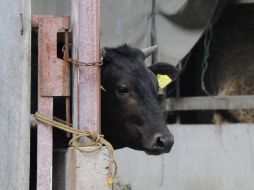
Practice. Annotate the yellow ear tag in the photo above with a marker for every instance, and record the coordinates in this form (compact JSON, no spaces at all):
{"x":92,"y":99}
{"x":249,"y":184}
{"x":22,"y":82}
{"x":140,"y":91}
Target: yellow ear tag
{"x":163,"y":80}
{"x":103,"y":88}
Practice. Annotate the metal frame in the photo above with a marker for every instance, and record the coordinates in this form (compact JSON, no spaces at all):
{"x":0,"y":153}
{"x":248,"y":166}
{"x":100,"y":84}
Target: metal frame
{"x":86,"y":171}
{"x":53,"y":80}
{"x":242,"y":1}
{"x":210,"y":103}
{"x":86,"y":48}
{"x":15,"y":81}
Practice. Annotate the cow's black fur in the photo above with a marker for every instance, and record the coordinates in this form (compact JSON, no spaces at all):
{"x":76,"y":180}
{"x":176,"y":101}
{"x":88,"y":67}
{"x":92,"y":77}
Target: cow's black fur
{"x":134,"y":122}
{"x":132,"y":118}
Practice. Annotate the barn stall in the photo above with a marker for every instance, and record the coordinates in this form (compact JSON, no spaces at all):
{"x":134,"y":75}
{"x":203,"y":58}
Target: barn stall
{"x":204,"y":155}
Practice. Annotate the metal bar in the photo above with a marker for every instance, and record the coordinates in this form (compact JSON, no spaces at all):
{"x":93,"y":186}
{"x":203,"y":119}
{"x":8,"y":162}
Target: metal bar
{"x":178,"y":93}
{"x":86,"y":48}
{"x":86,"y":171}
{"x":44,"y":146}
{"x":15,"y":80}
{"x":53,"y":80}
{"x":241,"y":1}
{"x":45,"y":107}
{"x":210,"y":103}
{"x":68,"y":110}
{"x":67,"y":99}
{"x":154,"y":40}
{"x":54,"y":72}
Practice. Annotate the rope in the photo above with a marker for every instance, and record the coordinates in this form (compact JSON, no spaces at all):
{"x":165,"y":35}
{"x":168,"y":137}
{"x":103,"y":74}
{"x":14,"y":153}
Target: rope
{"x":97,"y":141}
{"x":207,"y":43}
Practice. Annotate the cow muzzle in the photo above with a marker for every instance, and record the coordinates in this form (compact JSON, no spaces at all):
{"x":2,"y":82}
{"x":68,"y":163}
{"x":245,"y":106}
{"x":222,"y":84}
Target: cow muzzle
{"x":160,"y":143}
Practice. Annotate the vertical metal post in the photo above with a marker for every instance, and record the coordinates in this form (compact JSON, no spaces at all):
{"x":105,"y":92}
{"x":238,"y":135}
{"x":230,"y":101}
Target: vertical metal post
{"x":153,"y":32}
{"x":67,"y":99}
{"x":86,"y":171}
{"x":86,"y":48}
{"x":15,"y":37}
{"x":53,"y":80}
{"x":178,"y":93}
{"x":44,"y":146}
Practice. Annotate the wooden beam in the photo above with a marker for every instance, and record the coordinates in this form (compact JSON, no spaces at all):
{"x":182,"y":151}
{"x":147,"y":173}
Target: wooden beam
{"x":210,"y":103}
{"x":15,"y":75}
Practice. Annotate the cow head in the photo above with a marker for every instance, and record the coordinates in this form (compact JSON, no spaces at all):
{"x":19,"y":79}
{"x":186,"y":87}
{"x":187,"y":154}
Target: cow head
{"x":130,"y":113}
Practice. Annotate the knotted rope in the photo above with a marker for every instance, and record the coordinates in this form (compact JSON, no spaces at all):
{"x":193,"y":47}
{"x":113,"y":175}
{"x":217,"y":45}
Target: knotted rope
{"x":97,"y":141}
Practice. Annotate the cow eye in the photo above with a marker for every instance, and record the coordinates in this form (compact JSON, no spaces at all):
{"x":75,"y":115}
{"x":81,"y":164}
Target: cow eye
{"x":122,"y":90}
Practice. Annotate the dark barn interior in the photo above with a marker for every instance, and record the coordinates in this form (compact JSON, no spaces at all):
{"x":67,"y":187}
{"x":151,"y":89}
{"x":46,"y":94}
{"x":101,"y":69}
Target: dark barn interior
{"x":230,"y":57}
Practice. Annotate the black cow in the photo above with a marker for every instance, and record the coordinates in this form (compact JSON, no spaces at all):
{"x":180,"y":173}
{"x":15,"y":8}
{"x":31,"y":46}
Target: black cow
{"x":130,"y":113}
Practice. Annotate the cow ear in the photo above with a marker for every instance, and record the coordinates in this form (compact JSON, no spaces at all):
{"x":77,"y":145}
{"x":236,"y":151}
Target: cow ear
{"x":165,"y":73}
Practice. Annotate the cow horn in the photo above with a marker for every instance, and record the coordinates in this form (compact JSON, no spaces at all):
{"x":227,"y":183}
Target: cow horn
{"x":103,"y":52}
{"x":149,"y":51}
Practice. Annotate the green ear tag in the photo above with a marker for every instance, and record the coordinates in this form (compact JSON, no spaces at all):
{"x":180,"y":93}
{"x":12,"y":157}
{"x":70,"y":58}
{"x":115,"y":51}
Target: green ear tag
{"x":163,"y":80}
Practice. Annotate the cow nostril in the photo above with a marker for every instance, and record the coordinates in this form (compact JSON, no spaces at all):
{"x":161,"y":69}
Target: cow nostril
{"x":160,"y":142}
{"x":163,"y":142}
